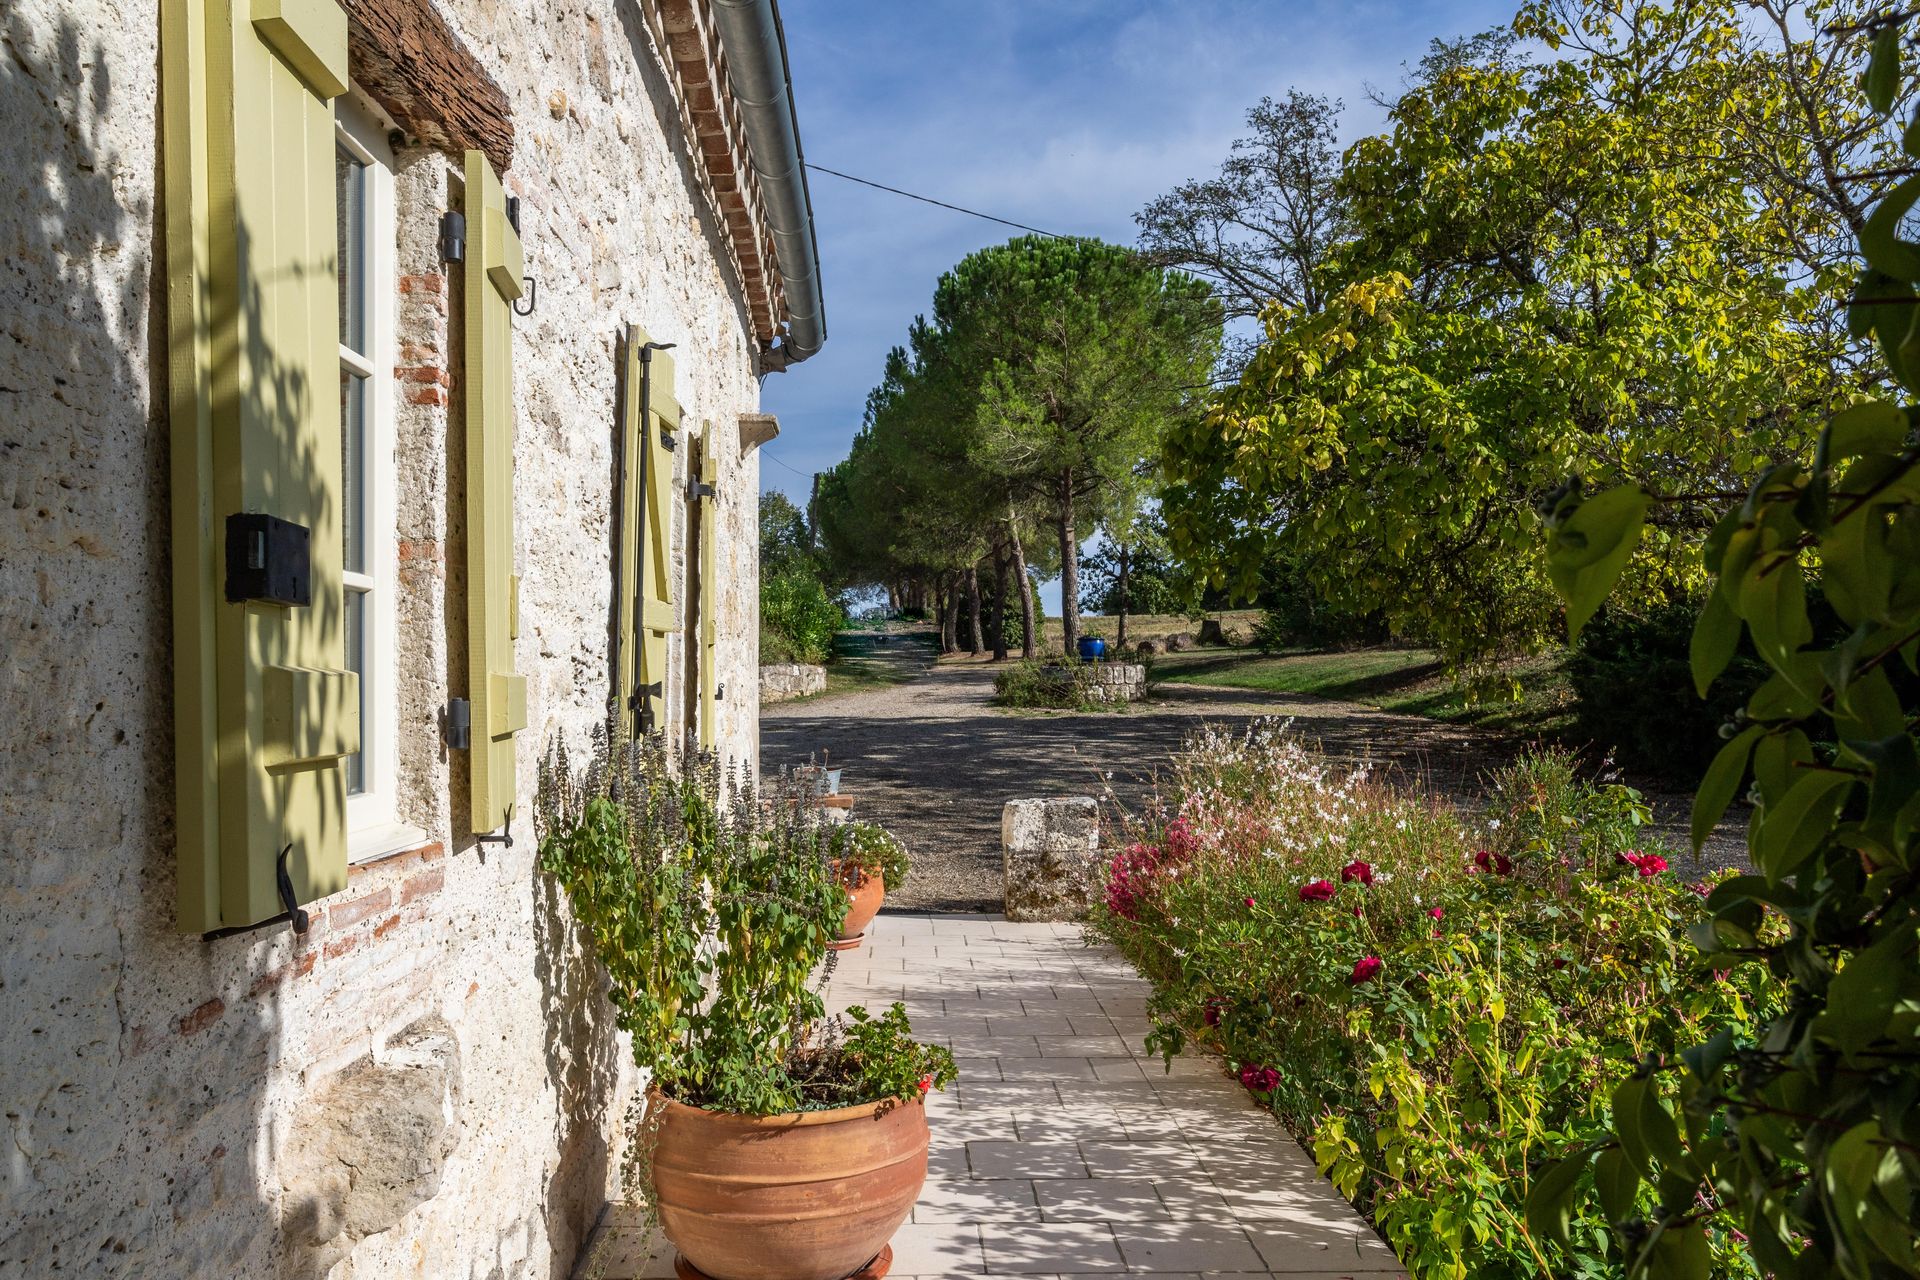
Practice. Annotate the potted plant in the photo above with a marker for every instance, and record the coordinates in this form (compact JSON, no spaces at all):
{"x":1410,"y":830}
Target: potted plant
{"x":774,"y":1143}
{"x":870,"y":863}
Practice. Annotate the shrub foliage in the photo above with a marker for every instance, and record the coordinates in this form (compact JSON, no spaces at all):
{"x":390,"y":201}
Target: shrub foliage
{"x":1806,"y":1135}
{"x":1436,"y":1005}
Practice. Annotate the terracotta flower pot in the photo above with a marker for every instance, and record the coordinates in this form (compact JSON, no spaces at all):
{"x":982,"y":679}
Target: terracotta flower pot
{"x":866,"y":897}
{"x":812,"y":1196}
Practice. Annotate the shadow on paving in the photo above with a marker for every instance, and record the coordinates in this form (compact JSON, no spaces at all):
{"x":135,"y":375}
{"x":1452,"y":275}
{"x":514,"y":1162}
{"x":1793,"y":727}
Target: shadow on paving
{"x":934,"y":761}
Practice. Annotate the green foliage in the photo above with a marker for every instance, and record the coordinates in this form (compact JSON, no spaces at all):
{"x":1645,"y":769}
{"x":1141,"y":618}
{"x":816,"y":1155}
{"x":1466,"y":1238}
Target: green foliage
{"x":1633,"y":687}
{"x":1804,"y":1135}
{"x":786,"y":538}
{"x":1434,"y":1005}
{"x":798,"y":617}
{"x":1065,"y":686}
{"x":887,"y":1061}
{"x":712,"y":915}
{"x":1047,"y":371}
{"x":869,"y":849}
{"x":1622,"y":261}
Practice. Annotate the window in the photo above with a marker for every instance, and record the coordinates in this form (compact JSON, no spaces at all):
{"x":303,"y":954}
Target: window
{"x":363,"y":170}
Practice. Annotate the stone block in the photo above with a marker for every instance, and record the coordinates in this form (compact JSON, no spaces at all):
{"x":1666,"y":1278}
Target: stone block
{"x":1050,"y":851}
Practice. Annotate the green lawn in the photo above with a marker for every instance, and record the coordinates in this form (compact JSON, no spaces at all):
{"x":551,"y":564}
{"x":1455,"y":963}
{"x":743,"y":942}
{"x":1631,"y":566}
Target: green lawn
{"x":1406,"y":680}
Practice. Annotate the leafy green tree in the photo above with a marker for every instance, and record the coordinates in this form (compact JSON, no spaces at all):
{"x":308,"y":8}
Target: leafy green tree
{"x":1801,"y":1134}
{"x":1077,"y":357}
{"x":786,"y":539}
{"x":1617,"y":261}
{"x":1134,"y":572}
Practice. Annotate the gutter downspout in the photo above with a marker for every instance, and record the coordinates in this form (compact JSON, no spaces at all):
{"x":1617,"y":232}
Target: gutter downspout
{"x":756,"y":49}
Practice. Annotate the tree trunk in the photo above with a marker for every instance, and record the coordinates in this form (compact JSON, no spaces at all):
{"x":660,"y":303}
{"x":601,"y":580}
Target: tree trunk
{"x":1000,"y":607}
{"x":1024,"y":587}
{"x":950,"y":614}
{"x":974,"y":644}
{"x":1120,"y":638}
{"x":1069,"y":569}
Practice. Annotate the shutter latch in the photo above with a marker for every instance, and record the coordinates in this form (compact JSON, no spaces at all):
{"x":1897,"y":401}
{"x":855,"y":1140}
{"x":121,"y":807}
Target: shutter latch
{"x":295,"y":912}
{"x":697,"y":491}
{"x":506,"y":833}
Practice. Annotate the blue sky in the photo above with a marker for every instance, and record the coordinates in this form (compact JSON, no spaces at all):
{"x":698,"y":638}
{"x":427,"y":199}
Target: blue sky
{"x":1068,"y":115}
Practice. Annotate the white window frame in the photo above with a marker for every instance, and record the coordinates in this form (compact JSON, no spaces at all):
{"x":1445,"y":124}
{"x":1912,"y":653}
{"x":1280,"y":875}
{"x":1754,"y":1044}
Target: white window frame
{"x":373,"y":825}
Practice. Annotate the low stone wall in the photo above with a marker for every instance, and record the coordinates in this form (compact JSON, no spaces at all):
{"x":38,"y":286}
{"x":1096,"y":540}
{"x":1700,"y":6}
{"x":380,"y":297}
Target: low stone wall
{"x":784,"y":680}
{"x":1120,"y":681}
{"x":1050,"y":854}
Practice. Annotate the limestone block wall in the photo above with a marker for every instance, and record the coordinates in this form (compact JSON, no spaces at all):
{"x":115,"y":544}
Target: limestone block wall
{"x":428,"y":1082}
{"x":780,"y":681}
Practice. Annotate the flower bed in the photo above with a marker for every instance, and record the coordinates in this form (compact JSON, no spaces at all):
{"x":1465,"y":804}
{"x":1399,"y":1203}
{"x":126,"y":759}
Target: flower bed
{"x":1436,"y":1003}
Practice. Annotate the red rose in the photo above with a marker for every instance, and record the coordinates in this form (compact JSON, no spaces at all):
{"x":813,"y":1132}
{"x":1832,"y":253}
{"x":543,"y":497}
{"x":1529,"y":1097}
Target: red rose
{"x":1366,"y":969}
{"x":1359,"y":912}
{"x":1438,"y":913}
{"x":926,"y":1083}
{"x":1259,"y":1079}
{"x":1357,"y":870}
{"x":1249,"y":901}
{"x":1317,"y":891}
{"x":1559,"y":962}
{"x":1651,"y":864}
{"x":1502,"y":865}
{"x":1212,"y":1013}
{"x":1483,"y":859}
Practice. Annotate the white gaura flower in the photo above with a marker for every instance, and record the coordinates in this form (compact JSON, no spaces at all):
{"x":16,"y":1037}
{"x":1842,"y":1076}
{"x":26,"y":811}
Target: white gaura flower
{"x":1493,"y":824}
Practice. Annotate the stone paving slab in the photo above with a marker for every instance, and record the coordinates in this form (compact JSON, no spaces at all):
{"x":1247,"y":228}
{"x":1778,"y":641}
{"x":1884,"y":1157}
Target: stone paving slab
{"x":1065,"y":1150}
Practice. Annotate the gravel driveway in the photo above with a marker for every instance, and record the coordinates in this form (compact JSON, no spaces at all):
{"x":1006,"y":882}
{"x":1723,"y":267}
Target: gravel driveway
{"x":933,"y":760}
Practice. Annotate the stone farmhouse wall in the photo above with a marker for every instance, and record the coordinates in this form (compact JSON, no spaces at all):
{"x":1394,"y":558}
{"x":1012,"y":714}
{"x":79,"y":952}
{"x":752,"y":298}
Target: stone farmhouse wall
{"x":427,"y":1083}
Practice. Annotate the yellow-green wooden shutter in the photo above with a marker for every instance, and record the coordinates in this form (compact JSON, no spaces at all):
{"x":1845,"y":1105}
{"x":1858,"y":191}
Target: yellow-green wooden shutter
{"x":631,"y":501}
{"x":709,"y":492}
{"x":497,"y":691}
{"x":264,"y":710}
{"x":646,"y":600}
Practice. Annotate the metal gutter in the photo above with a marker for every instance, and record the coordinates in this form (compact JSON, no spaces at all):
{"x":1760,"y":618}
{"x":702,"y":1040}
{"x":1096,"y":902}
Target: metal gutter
{"x":762,"y":85}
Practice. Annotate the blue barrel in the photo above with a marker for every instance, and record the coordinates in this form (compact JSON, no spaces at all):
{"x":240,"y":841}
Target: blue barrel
{"x":1092,"y":648}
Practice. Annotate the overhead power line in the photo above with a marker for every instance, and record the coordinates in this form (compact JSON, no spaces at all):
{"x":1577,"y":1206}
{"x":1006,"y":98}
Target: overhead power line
{"x":776,"y":462}
{"x":972,"y":213}
{"x":975,"y":213}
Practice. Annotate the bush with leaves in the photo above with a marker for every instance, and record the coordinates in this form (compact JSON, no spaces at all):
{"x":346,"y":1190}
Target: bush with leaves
{"x":1804,"y":1133}
{"x":1633,"y":690}
{"x":863,"y":849}
{"x":712,"y":913}
{"x":798,"y":617}
{"x":1432,"y":1003}
{"x":1062,"y":686}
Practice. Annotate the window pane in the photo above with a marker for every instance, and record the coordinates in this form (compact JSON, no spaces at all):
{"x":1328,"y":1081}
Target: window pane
{"x":350,"y":207}
{"x":356,"y":625}
{"x":353,"y":470}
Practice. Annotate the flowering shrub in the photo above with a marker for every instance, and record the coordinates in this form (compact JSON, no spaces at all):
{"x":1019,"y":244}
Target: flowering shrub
{"x":1435,"y":1003}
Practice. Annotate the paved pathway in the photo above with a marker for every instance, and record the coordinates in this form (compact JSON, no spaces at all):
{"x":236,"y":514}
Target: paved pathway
{"x":1063,"y":1150}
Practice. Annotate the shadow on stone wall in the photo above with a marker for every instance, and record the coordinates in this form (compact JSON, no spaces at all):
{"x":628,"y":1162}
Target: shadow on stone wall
{"x":136,"y":1064}
{"x":583,"y":1057}
{"x":133,"y":1062}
